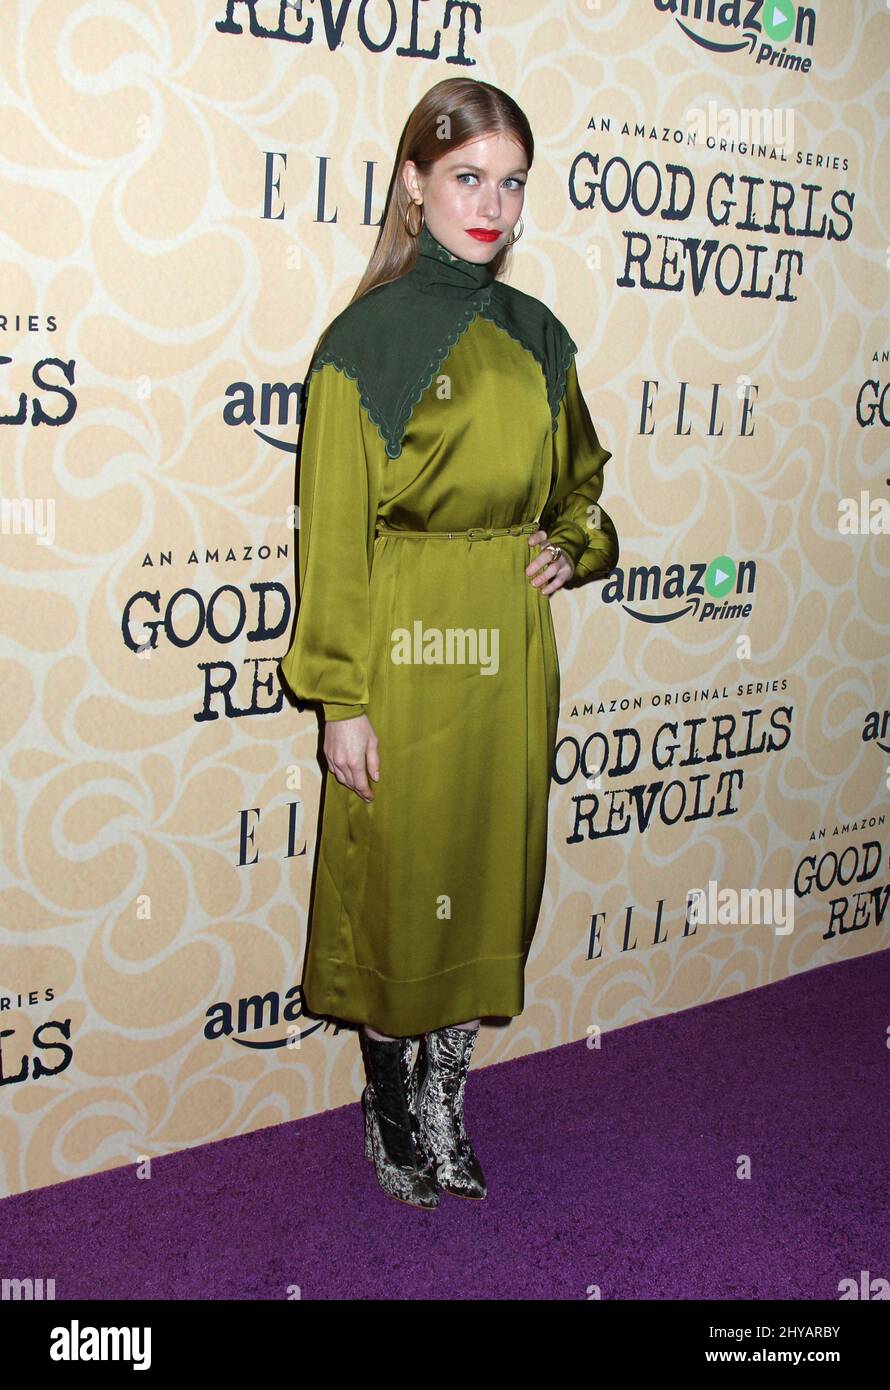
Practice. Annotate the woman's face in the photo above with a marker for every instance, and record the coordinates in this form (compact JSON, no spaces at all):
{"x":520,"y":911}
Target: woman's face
{"x":478,"y":187}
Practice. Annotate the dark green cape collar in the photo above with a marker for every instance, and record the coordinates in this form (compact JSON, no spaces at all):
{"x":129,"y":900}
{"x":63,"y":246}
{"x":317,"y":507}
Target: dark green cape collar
{"x":393,"y":340}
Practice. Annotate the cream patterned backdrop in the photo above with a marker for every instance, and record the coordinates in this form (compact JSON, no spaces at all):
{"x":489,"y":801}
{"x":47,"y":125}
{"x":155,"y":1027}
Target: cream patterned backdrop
{"x":190,"y":190}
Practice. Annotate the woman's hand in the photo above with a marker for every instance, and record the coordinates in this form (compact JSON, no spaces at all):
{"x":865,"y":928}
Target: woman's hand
{"x":350,"y":746}
{"x":553,"y":573}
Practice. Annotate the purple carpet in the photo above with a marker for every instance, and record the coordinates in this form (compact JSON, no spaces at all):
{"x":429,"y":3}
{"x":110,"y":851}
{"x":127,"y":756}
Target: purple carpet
{"x":615,"y":1169}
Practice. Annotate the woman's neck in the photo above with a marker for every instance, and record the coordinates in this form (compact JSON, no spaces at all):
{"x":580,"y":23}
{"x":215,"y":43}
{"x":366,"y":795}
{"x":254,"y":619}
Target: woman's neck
{"x":439,"y":271}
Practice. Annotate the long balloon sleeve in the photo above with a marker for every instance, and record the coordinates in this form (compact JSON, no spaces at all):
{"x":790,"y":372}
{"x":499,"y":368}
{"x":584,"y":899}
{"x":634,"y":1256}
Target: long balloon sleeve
{"x":339,"y":490}
{"x":573,"y":517}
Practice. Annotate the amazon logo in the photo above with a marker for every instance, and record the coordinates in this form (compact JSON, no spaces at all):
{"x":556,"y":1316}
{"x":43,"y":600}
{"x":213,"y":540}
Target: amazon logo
{"x":714,"y":592}
{"x":876,"y":729}
{"x":758,"y":27}
{"x":264,"y":1022}
{"x":273,"y":410}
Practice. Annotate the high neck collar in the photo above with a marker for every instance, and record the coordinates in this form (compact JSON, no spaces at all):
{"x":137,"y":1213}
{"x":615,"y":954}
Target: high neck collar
{"x":438,"y":271}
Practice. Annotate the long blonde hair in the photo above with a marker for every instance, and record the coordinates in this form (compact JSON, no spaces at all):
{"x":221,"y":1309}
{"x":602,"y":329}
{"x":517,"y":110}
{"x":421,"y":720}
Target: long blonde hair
{"x":453,"y":112}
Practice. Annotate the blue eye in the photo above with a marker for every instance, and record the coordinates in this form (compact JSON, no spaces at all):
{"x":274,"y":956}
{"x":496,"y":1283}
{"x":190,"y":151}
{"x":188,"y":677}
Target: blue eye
{"x":520,"y":183}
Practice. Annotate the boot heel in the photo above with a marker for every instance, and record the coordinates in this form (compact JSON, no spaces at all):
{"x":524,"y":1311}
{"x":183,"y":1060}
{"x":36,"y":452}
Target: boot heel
{"x":369,"y":1147}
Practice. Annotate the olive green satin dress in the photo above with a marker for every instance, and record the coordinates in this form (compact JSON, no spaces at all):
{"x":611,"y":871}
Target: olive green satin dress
{"x":426,"y":900}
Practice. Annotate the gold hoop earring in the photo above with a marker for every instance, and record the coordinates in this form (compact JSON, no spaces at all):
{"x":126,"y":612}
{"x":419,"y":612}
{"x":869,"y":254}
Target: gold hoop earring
{"x":516,"y":238}
{"x":414,"y":204}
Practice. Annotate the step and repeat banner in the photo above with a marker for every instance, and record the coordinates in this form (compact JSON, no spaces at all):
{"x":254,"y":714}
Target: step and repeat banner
{"x":190,"y":191}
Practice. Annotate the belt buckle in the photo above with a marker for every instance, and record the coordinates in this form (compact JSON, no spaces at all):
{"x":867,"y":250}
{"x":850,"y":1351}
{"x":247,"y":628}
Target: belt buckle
{"x":478,"y":533}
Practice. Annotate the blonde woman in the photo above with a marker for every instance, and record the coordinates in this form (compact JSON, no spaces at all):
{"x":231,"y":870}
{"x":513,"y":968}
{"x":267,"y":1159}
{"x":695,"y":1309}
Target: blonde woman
{"x":449,"y":487}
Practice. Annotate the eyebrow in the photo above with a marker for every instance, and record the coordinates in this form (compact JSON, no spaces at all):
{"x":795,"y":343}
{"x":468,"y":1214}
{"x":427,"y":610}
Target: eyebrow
{"x":520,"y":168}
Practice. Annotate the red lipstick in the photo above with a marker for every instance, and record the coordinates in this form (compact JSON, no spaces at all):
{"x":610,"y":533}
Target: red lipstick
{"x":483,"y":233}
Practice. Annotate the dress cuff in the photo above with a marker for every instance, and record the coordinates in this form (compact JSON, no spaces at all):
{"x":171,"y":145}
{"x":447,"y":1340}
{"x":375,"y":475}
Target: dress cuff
{"x":570,"y":538}
{"x":334,"y":712}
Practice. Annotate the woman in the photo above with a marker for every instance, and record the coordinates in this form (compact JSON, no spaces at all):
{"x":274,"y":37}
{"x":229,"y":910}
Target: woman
{"x":450,"y":482}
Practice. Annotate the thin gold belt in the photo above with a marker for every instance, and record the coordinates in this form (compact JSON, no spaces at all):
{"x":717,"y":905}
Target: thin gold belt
{"x":475,"y":533}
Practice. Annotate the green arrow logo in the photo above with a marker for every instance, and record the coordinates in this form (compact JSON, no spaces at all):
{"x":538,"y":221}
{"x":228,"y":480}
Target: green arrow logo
{"x":778,"y":20}
{"x":720,"y":576}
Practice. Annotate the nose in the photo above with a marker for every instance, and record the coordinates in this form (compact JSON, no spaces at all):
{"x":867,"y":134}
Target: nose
{"x":490,"y":203}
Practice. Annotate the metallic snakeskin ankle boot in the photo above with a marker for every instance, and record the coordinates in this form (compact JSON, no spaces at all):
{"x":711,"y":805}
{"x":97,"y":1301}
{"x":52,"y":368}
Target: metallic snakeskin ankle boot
{"x":391,"y":1129}
{"x":437,"y":1096}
